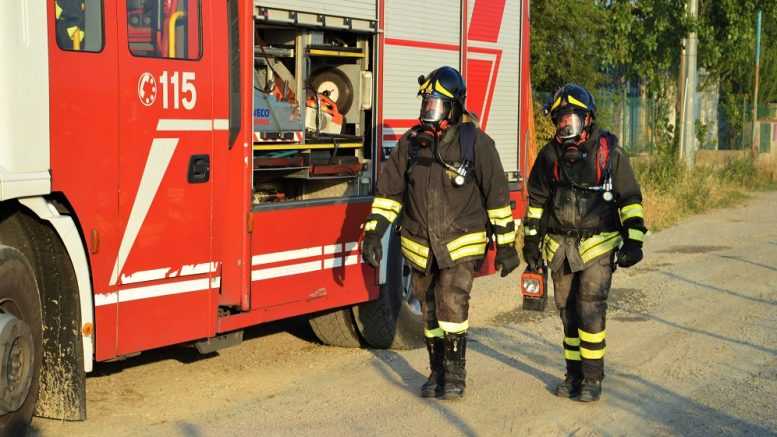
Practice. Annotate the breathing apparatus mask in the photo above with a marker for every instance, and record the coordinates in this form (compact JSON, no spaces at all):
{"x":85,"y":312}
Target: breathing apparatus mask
{"x":571,"y":132}
{"x":436,"y":112}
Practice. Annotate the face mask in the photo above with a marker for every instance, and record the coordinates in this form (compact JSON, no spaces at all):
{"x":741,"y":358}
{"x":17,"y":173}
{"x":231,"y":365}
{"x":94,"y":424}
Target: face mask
{"x":434,"y":109}
{"x":569,"y":127}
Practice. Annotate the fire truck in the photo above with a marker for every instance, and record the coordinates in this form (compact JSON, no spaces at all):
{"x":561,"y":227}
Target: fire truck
{"x":174,"y":171}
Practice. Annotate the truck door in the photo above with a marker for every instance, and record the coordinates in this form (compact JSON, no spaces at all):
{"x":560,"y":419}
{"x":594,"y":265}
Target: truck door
{"x":165,"y":267}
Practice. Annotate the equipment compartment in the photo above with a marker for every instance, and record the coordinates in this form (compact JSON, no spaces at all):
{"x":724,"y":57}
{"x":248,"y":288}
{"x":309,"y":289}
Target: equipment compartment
{"x":312,"y":115}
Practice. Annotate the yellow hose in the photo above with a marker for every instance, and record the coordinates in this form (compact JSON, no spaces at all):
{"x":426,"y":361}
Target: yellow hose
{"x":171,"y":33}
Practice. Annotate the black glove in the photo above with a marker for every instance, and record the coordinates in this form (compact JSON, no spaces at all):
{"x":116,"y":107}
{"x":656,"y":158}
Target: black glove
{"x":531,"y":253}
{"x":372,"y":251}
{"x":506,"y":259}
{"x":629,"y":254}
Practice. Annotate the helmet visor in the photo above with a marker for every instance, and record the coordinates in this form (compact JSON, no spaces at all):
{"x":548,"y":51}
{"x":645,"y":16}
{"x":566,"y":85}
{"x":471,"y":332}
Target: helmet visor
{"x":434,"y":108}
{"x":569,"y":125}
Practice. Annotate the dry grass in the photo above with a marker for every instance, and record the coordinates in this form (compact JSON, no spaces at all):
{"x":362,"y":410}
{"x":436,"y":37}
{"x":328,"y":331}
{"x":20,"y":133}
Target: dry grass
{"x":672,"y":192}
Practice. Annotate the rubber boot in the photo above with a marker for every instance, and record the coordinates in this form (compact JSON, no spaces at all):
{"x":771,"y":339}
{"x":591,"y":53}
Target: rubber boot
{"x":433,"y":387}
{"x":590,"y":390}
{"x":570,"y":388}
{"x":454,"y":364}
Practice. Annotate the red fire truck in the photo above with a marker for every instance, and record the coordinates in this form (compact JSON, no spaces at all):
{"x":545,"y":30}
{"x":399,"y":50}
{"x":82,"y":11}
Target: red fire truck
{"x":174,"y":171}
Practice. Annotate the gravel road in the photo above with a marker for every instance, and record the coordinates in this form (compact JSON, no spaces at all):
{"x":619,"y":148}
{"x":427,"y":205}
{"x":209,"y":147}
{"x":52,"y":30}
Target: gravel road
{"x":692,"y":350}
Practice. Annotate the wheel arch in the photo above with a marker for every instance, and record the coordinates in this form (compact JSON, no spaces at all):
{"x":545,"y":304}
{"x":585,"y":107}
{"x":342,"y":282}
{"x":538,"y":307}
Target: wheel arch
{"x":68,"y":231}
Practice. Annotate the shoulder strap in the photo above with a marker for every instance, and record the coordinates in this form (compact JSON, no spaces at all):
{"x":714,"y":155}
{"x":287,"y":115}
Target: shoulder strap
{"x":603,"y":164}
{"x":467,"y":133}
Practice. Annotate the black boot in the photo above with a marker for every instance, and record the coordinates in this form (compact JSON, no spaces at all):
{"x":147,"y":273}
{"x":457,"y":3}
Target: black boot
{"x":453,"y":362}
{"x":590,"y":390}
{"x":570,"y":388}
{"x":433,"y":386}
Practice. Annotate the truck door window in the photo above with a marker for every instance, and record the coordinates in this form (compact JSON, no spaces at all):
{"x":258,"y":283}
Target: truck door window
{"x":79,"y":25}
{"x":165,"y":28}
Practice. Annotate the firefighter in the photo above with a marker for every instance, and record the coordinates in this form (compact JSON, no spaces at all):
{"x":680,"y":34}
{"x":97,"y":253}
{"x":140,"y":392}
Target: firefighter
{"x":447,"y":181}
{"x":585,"y":217}
{"x":70,"y":23}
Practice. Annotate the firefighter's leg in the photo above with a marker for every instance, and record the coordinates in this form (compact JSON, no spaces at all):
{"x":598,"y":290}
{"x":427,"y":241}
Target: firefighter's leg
{"x":452,"y":299}
{"x":423,"y":289}
{"x":595,"y":284}
{"x":565,"y":286}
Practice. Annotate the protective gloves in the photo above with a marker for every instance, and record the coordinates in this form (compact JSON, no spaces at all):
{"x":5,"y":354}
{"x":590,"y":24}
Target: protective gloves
{"x":372,"y":251}
{"x":531,"y":253}
{"x":630,"y":253}
{"x":506,"y":259}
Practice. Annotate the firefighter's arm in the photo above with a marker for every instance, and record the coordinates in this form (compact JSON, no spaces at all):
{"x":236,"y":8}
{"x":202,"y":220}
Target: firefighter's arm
{"x":629,"y":198}
{"x":539,"y":193}
{"x":390,"y":191}
{"x":632,"y":217}
{"x":538,"y":188}
{"x":493,"y":184}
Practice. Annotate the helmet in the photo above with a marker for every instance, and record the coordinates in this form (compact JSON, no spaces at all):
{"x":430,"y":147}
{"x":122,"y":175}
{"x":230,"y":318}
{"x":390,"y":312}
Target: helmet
{"x":443,"y":93}
{"x":568,"y":98}
{"x":568,"y":109}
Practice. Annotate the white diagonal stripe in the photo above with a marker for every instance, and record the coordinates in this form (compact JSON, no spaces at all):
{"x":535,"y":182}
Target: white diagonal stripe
{"x":159,"y":157}
{"x":145,"y":275}
{"x":220,"y":124}
{"x":333,"y":248}
{"x":331,"y":263}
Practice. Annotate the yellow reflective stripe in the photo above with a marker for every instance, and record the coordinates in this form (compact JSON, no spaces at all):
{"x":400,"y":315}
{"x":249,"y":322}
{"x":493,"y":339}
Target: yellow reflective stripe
{"x":550,"y":247}
{"x":572,"y":355}
{"x":418,"y":260}
{"x":572,"y":341}
{"x":466,"y":251}
{"x":504,"y":222}
{"x":591,"y":354}
{"x":530,"y":231}
{"x":535,"y":213}
{"x":432,"y":333}
{"x":473,"y":238}
{"x":636,"y":234}
{"x":598,"y":245}
{"x":414,"y":247}
{"x":453,"y":327}
{"x":440,"y":89}
{"x":576,"y":102}
{"x":503,"y":212}
{"x":505,"y":238}
{"x":424,"y":86}
{"x":631,"y":211}
{"x":556,"y":103}
{"x":387,"y":204}
{"x":590,"y":337}
{"x":390,"y":215}
{"x":370,"y":225}
{"x":58,"y":9}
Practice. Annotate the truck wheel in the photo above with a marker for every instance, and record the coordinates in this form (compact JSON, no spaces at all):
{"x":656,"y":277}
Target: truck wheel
{"x":336,"y":328}
{"x":20,"y":342}
{"x":394,"y":320}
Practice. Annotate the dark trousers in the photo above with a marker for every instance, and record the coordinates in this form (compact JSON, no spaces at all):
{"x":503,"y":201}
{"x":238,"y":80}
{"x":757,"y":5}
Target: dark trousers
{"x":581,"y":298}
{"x":444,"y":296}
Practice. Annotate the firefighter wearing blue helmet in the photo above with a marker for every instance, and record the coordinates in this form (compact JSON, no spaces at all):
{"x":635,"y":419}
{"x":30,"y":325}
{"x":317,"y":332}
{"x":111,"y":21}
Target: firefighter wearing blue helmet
{"x":446,"y":180}
{"x":584,"y":218}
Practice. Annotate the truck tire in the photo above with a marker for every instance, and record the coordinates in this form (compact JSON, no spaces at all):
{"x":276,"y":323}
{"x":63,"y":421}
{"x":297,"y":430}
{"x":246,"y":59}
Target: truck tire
{"x":61,"y":373}
{"x":20,"y":342}
{"x":336,"y":328}
{"x":394,"y":320}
